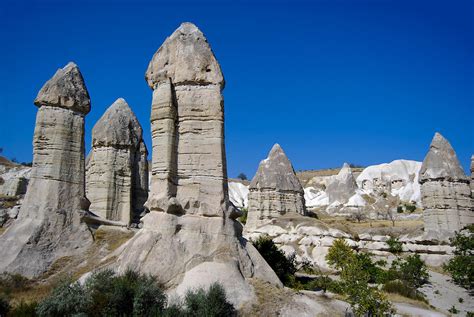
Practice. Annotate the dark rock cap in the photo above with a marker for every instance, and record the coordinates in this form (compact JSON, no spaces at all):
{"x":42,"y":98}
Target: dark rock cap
{"x":66,"y":89}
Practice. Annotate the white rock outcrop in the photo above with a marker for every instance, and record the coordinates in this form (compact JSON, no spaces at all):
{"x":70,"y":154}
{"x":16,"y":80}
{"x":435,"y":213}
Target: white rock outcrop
{"x":445,"y":191}
{"x":238,"y":194}
{"x":274,"y":191}
{"x":342,"y":186}
{"x":49,"y":224}
{"x":190,"y":238}
{"x":117,"y":169}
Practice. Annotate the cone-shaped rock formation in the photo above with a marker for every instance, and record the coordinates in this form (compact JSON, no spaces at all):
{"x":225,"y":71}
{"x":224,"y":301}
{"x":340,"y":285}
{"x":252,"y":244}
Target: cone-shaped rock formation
{"x":49,"y":224}
{"x":274,"y":191}
{"x":189,"y":238}
{"x":445,"y":191}
{"x":342,"y":186}
{"x":117,"y":169}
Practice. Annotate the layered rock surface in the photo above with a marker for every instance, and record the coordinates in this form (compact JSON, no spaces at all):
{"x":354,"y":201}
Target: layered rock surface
{"x":190,"y":238}
{"x":49,"y":224}
{"x":274,"y":191}
{"x":117,"y":169}
{"x":445,"y":191}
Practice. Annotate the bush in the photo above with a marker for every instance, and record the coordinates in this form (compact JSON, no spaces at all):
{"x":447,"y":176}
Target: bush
{"x":211,"y":303}
{"x":399,"y":209}
{"x":4,"y":305}
{"x":10,"y":283}
{"x":24,"y":309}
{"x":402,"y":288}
{"x":283,"y":266}
{"x":394,"y":245}
{"x":461,"y":266}
{"x":243,"y":218}
{"x":129,"y":294}
{"x":453,"y":310}
{"x":410,"y":208}
{"x":414,"y":271}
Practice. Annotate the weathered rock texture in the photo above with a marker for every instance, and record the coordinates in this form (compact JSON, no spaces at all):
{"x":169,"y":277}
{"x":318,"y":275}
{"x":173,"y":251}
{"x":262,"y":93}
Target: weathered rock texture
{"x":342,"y":186}
{"x":445,"y":191}
{"x":49,"y":224}
{"x":189,"y":238}
{"x":472,"y":176}
{"x":117,"y":169}
{"x":274,"y":191}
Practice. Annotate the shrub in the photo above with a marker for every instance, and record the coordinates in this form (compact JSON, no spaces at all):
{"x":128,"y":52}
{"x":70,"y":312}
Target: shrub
{"x":4,"y":305}
{"x":414,"y":271}
{"x":10,"y":282}
{"x":410,"y":208}
{"x":243,"y":218}
{"x":402,"y":288}
{"x":373,"y":269}
{"x":66,"y":299}
{"x":24,"y":309}
{"x":453,"y":310}
{"x":211,"y":303}
{"x":461,"y":266}
{"x":283,"y":266}
{"x":399,"y":209}
{"x":394,"y":245}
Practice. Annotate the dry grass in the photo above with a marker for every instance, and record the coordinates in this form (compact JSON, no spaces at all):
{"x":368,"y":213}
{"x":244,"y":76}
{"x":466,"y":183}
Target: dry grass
{"x":396,"y":298}
{"x":112,"y":238}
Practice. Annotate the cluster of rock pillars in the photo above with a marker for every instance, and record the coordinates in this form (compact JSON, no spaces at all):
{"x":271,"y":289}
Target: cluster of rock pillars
{"x":188,"y":230}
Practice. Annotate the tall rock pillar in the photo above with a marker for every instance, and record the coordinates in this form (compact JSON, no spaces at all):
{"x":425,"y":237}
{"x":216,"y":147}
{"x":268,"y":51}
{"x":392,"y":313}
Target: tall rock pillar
{"x":190,"y":238}
{"x":445,"y":191}
{"x":49,"y":224}
{"x":117,"y":170}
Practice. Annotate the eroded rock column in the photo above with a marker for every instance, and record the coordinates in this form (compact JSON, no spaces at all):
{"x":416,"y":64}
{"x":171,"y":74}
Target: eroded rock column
{"x":445,"y":191}
{"x":49,"y":225}
{"x":117,"y":170}
{"x":274,"y":191}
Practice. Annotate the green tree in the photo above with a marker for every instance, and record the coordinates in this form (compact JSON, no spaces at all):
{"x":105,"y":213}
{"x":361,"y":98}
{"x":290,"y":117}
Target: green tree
{"x":242,"y":176}
{"x":339,"y":253}
{"x":461,"y":266}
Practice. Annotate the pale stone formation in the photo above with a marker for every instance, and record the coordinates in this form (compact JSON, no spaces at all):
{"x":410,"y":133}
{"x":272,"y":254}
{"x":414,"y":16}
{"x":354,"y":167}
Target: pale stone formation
{"x":274,"y":191}
{"x":342,"y":186}
{"x":472,"y":176}
{"x":190,"y":238}
{"x":117,"y":170}
{"x":49,"y":224}
{"x":445,"y":191}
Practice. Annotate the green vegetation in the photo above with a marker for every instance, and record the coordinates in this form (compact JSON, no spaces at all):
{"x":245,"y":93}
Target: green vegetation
{"x":283,"y":266}
{"x":461,"y":266}
{"x":394,"y":245}
{"x":356,"y":271}
{"x":242,"y":176}
{"x":108,"y":294}
{"x":243,"y":218}
{"x":453,"y":310}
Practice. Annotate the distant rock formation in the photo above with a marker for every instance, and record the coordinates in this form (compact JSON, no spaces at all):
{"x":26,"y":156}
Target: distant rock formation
{"x":445,"y":191}
{"x":472,"y":176}
{"x":189,"y":237}
{"x":117,"y":169}
{"x":342,"y":186}
{"x":49,"y":224}
{"x":274,"y":191}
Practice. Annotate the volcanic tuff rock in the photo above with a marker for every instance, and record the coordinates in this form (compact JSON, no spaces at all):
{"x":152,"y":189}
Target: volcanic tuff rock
{"x":274,"y":191}
{"x":342,"y":186}
{"x":445,"y":191}
{"x":117,"y":169}
{"x":49,"y":224}
{"x":189,"y":238}
{"x":472,"y":176}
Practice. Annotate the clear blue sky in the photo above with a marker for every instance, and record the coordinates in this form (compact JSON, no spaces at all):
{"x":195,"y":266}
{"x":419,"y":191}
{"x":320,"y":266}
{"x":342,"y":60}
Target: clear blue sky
{"x":364,"y":82}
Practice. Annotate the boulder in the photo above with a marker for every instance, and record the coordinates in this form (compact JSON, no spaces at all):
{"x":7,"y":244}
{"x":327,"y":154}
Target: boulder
{"x":342,"y":186}
{"x":274,"y":191}
{"x":49,"y":224}
{"x":445,"y":191}
{"x":190,"y":229}
{"x":116,"y":172}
